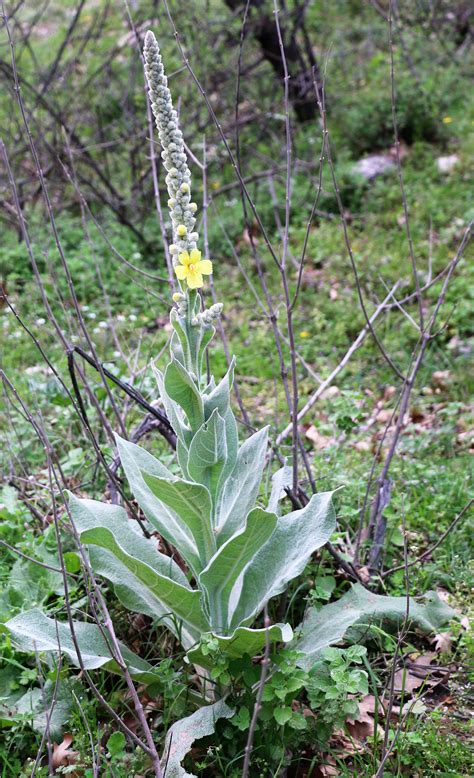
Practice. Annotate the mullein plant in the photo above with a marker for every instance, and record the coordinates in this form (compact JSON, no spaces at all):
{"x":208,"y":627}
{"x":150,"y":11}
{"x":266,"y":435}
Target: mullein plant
{"x":237,"y":554}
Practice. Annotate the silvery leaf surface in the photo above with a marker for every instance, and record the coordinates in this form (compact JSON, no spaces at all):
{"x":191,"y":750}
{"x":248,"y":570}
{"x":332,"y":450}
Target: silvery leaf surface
{"x":129,"y":587}
{"x":353,"y":614}
{"x":281,"y":479}
{"x":230,"y":561}
{"x":182,"y":734}
{"x":240,"y":491}
{"x":192,"y":503}
{"x":285,"y":555}
{"x":208,"y":453}
{"x":33,"y":631}
{"x":180,"y":387}
{"x":136,"y":460}
{"x":219,"y":396}
{"x":243,"y":640}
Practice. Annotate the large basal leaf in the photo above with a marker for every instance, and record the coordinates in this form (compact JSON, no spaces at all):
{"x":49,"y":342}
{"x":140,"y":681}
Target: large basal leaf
{"x":129,"y":588}
{"x":192,"y":503}
{"x":285,"y":555}
{"x":225,"y":567}
{"x":183,"y":733}
{"x":362,"y":608}
{"x":241,"y":488}
{"x":136,"y":460}
{"x":243,"y":641}
{"x":32,"y":631}
{"x":180,"y":600}
{"x":208,"y":453}
{"x":181,"y":388}
{"x":51,"y":706}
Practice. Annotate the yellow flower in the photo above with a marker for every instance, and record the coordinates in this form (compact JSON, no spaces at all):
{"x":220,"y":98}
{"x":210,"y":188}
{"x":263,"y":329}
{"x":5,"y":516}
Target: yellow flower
{"x":181,"y":230}
{"x":193,"y":268}
{"x":305,"y":334}
{"x":447,"y":120}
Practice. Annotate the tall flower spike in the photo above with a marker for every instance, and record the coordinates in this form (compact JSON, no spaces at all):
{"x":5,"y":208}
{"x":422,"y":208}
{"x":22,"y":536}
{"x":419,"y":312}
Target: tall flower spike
{"x":178,"y":180}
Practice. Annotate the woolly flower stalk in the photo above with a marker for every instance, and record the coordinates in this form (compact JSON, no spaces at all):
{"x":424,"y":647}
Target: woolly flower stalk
{"x":190,"y":267}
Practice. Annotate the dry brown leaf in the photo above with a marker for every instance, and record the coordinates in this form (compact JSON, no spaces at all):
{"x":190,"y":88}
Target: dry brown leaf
{"x":405,"y":681}
{"x":363,"y":445}
{"x":327,"y":768}
{"x":443,"y":595}
{"x":364,"y":725}
{"x":62,"y":755}
{"x":344,"y":745}
{"x":443,"y":642}
{"x":319,"y":441}
{"x":440,"y":378}
{"x":364,"y":573}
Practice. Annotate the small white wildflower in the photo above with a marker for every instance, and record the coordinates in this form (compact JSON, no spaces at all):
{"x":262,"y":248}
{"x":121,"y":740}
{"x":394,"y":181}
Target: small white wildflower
{"x":85,"y":307}
{"x":91,"y":315}
{"x":40,"y":322}
{"x":103,"y":325}
{"x":132,"y":317}
{"x":96,"y":330}
{"x":136,"y":255}
{"x":117,"y":354}
{"x":121,"y":317}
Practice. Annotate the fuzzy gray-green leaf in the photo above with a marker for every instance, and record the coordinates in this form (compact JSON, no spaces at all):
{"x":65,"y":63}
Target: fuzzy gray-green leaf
{"x":225,"y":567}
{"x":136,"y":460}
{"x":241,"y":488}
{"x":192,"y":503}
{"x":285,"y":555}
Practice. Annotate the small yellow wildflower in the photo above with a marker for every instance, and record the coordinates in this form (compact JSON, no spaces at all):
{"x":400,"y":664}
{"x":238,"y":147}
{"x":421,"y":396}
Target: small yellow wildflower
{"x":181,"y":230}
{"x":193,"y":268}
{"x":305,"y":334}
{"x":447,"y":120}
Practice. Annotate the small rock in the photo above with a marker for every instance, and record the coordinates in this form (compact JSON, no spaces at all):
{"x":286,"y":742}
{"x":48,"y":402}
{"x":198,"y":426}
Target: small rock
{"x":373,"y":166}
{"x":440,"y":378}
{"x":319,"y":441}
{"x":331,"y":391}
{"x":447,"y":164}
{"x":363,"y":445}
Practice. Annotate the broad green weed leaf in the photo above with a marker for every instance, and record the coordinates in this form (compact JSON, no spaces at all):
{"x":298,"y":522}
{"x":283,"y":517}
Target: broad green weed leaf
{"x":176,"y":598}
{"x":243,"y":641}
{"x":208,"y":453}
